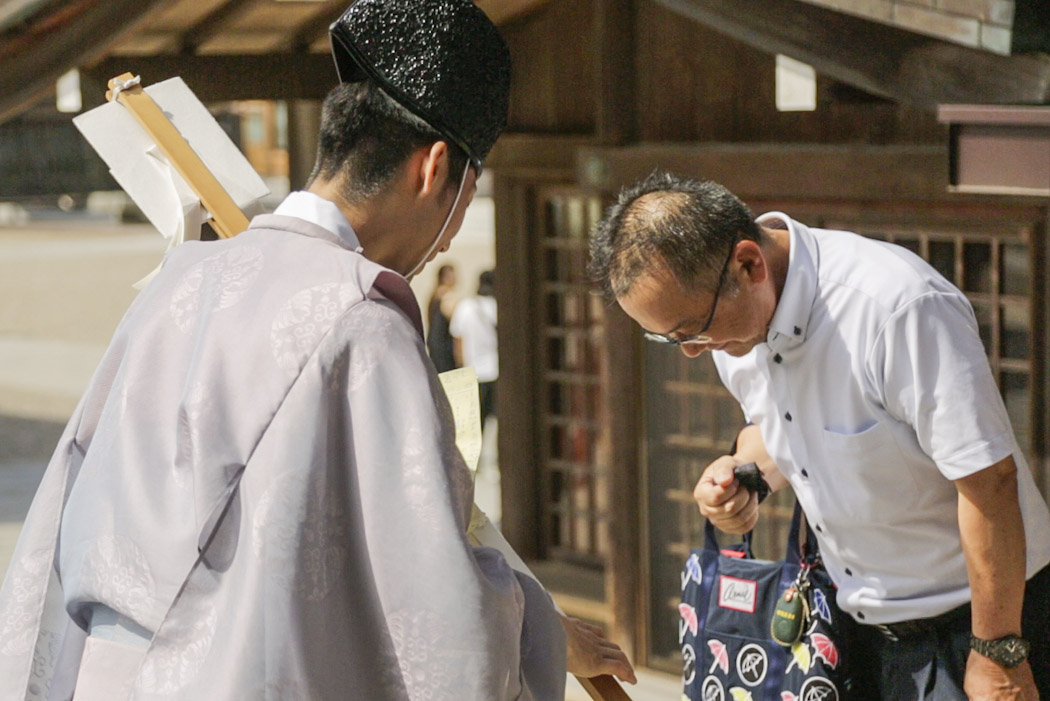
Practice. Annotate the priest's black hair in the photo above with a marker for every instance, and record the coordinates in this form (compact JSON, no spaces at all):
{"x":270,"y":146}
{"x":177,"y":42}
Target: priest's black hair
{"x":366,"y":136}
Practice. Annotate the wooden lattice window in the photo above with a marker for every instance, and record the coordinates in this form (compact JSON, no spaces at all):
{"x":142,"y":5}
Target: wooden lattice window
{"x":574,"y":484}
{"x":995,"y":273}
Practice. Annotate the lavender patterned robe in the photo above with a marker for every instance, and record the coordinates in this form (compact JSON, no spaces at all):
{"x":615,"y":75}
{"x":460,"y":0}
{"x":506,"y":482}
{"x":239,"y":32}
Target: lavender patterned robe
{"x":262,"y":471}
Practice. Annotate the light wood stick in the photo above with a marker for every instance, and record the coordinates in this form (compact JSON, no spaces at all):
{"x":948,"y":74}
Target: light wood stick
{"x":604,"y":688}
{"x":227,"y":217}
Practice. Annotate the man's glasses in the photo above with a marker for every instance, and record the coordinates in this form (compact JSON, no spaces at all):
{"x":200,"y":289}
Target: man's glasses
{"x":701,"y":336}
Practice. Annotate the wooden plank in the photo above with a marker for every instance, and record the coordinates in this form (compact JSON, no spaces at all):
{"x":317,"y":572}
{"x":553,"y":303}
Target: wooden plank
{"x":1013,"y":115}
{"x":516,"y":399}
{"x":211,"y":24}
{"x":304,"y":126}
{"x":227,"y":218}
{"x":778,"y":171}
{"x":316,"y":28}
{"x":541,"y":158}
{"x":725,"y":93}
{"x":281,"y":76}
{"x":72,"y":34}
{"x":553,"y":79}
{"x":604,"y":688}
{"x":614,"y":22}
{"x":502,"y":11}
{"x":874,"y":57}
{"x":621,"y":381}
{"x":1040,"y":267}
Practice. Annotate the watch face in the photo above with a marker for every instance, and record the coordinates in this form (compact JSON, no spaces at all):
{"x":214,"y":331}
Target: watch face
{"x":1009,"y":651}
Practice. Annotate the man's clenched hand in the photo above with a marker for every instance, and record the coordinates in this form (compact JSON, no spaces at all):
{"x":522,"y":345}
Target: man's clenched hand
{"x":721,"y":499}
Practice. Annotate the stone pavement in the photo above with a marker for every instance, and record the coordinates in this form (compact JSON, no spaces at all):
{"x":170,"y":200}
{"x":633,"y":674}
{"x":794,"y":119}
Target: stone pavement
{"x":63,"y":287}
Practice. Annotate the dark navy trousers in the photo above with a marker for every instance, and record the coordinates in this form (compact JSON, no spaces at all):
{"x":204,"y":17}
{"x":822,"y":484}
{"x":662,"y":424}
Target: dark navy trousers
{"x":931,"y":666}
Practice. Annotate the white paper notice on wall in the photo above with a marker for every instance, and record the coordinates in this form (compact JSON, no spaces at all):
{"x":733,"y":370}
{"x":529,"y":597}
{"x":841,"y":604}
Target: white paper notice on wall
{"x":138,"y":166}
{"x":796,"y":85}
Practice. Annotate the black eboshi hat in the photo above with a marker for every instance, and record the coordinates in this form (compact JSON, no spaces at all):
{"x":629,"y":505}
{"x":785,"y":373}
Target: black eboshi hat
{"x":443,"y":60}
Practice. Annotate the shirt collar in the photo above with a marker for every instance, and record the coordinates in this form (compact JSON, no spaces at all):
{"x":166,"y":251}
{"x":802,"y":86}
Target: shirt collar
{"x":316,"y":210}
{"x":324,"y":213}
{"x":790,"y":324}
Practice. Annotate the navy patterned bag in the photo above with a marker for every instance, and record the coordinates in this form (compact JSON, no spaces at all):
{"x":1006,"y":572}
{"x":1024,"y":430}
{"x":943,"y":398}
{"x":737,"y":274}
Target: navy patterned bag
{"x":733,"y":605}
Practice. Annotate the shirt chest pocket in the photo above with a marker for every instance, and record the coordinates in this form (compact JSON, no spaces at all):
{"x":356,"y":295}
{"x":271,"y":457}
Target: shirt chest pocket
{"x":868,"y":473}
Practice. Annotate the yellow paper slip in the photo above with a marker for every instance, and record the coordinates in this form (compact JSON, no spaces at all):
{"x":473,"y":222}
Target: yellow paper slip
{"x":461,"y":386}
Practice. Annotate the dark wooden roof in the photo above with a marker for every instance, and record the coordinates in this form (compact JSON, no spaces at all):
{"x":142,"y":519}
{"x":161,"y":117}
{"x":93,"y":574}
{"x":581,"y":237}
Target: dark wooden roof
{"x":876,"y":58}
{"x":225,"y":49}
{"x":277,"y":49}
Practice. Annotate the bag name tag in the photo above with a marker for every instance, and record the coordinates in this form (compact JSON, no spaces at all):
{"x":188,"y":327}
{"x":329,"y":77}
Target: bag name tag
{"x":737,"y":594}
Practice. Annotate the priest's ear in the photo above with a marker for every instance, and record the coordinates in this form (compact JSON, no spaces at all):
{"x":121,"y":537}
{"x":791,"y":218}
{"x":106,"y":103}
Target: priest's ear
{"x":431,"y":165}
{"x":440,"y":166}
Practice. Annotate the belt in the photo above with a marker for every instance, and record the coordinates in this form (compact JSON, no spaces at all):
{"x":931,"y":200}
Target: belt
{"x":918,"y":627}
{"x":1039,"y":582}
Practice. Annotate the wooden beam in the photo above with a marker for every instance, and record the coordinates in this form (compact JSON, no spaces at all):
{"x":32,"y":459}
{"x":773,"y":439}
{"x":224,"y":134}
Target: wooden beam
{"x":876,"y":58}
{"x":781,"y":171}
{"x":546,"y":158}
{"x":70,"y":35}
{"x":501,"y":11}
{"x":317,"y":26}
{"x":287,"y":76}
{"x":211,"y":24}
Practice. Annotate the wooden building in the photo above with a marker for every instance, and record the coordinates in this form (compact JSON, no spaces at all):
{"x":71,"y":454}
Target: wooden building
{"x":603,"y":437}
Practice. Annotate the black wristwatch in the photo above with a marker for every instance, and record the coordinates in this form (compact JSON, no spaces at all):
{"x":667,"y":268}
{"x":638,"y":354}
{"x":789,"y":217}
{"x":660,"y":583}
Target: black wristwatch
{"x":1007,"y":651}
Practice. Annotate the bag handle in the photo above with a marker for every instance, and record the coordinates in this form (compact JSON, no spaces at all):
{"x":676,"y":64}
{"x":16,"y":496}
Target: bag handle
{"x":798,"y":544}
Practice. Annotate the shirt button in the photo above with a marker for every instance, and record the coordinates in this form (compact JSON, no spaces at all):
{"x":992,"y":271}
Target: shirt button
{"x":849,"y":571}
{"x":804,"y":473}
{"x":819,"y":529}
{"x":777,"y":358}
{"x":787,"y":416}
{"x":798,"y":330}
{"x":860,"y":615}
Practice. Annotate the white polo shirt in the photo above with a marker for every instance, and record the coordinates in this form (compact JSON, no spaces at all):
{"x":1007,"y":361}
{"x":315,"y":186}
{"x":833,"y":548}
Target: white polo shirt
{"x":873,"y":392}
{"x":474,"y":322}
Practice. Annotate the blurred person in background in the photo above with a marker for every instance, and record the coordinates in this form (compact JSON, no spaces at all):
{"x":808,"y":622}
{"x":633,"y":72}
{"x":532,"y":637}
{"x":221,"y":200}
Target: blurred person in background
{"x":439,"y":313}
{"x":473,"y":330}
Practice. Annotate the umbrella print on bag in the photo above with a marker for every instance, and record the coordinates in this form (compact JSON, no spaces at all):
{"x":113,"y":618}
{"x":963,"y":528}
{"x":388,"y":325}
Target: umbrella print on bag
{"x":721,"y":655}
{"x":824,"y":649}
{"x":689,"y":616}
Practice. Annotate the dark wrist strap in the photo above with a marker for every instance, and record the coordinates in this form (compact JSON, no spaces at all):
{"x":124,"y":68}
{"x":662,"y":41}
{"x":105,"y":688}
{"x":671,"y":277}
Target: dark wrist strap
{"x":753,"y":480}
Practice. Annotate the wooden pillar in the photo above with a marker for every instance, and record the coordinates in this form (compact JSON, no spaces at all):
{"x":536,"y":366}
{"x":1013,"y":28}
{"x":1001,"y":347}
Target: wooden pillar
{"x":304,"y":120}
{"x":622,"y":388}
{"x":624,"y":426}
{"x":517,"y":397}
{"x":1041,"y":356}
